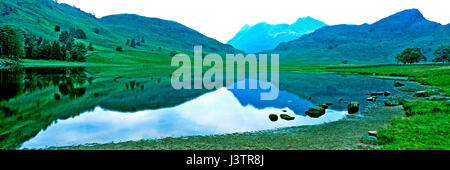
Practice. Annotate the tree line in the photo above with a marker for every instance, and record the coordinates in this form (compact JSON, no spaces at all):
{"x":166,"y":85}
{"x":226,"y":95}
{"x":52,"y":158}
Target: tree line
{"x":414,"y":55}
{"x":65,"y":48}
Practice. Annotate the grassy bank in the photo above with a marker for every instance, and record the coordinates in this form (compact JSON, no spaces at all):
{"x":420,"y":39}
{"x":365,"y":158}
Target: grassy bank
{"x":426,"y":125}
{"x":437,"y":75}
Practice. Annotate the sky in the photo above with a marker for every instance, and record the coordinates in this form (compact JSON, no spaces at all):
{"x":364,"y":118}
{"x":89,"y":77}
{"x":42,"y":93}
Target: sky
{"x":222,"y":19}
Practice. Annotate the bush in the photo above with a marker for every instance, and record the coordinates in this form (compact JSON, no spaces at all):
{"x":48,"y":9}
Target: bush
{"x":119,"y":48}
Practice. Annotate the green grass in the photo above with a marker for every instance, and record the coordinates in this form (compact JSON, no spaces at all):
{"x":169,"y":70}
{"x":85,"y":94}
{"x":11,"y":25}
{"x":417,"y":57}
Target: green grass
{"x":427,"y":125}
{"x":427,"y":129}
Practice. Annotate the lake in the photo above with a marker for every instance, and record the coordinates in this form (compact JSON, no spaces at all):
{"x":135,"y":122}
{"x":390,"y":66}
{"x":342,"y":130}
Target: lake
{"x":44,"y":107}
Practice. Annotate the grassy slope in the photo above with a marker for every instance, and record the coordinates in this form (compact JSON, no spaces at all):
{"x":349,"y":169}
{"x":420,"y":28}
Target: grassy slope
{"x":40,"y":17}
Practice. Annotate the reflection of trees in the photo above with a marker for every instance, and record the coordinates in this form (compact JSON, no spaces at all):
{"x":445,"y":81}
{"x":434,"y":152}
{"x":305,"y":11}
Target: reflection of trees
{"x":70,"y":81}
{"x":20,"y":117}
{"x":11,"y":83}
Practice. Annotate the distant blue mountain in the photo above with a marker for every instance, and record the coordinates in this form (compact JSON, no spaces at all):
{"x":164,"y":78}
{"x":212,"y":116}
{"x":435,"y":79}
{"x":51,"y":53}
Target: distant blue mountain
{"x":264,"y":36}
{"x":379,"y":42}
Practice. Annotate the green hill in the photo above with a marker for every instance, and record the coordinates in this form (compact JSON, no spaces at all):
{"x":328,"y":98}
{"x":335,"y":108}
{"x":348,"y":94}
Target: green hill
{"x":368,"y":43}
{"x":40,"y":17}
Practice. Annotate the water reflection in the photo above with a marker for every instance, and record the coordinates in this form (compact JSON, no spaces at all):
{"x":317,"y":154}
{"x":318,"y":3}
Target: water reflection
{"x":61,"y":106}
{"x":213,"y":113}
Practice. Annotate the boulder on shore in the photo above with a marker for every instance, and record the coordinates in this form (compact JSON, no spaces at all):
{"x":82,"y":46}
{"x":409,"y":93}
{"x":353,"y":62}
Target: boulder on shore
{"x":315,"y":112}
{"x":353,"y":107}
{"x":325,"y":106}
{"x":368,"y":139}
{"x":394,"y":101}
{"x":372,"y":133}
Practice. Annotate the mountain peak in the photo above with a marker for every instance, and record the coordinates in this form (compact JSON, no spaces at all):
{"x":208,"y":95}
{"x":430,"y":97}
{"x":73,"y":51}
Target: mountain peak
{"x":405,"y":16}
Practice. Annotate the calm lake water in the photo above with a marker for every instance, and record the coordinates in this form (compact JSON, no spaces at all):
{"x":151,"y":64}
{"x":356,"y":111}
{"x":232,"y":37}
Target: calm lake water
{"x":44,"y":107}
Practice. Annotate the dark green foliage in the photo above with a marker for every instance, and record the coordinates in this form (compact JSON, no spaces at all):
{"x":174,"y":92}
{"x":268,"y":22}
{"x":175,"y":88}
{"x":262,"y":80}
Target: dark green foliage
{"x":78,"y":52}
{"x":57,"y":28}
{"x":138,"y":43}
{"x":78,"y":33}
{"x":173,"y":53}
{"x":56,"y":52}
{"x":410,"y":55}
{"x":90,"y":47}
{"x":442,"y":54}
{"x":345,"y":62}
{"x":11,"y":43}
{"x":64,"y":37}
{"x":143,"y":40}
{"x":133,"y":43}
{"x":30,"y":46}
{"x":128,"y":42}
{"x":97,"y":31}
{"x":65,"y":48}
{"x":119,"y":48}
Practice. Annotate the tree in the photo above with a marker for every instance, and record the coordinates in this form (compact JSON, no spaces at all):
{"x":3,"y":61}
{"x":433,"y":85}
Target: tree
{"x":119,"y":48}
{"x":442,"y":53}
{"x":409,"y":55}
{"x":57,"y":28}
{"x":173,"y":53}
{"x":78,"y":33}
{"x":78,"y":52}
{"x":39,"y":41}
{"x":11,"y":43}
{"x":143,"y":40}
{"x":30,"y":47}
{"x":90,"y":47}
{"x":44,"y":50}
{"x":133,"y":43}
{"x":128,"y":42}
{"x":56,"y":51}
{"x":64,"y":37}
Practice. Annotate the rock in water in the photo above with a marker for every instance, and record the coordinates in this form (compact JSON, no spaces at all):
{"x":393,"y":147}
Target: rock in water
{"x":353,"y":107}
{"x":273,"y":117}
{"x":397,"y":84}
{"x":387,"y":93}
{"x":420,"y":94}
{"x":372,"y":133}
{"x":371,"y":99}
{"x":315,"y":112}
{"x":325,"y":106}
{"x":286,"y":117}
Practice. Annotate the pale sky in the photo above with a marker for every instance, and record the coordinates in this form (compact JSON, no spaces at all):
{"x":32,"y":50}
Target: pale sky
{"x":222,"y":19}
